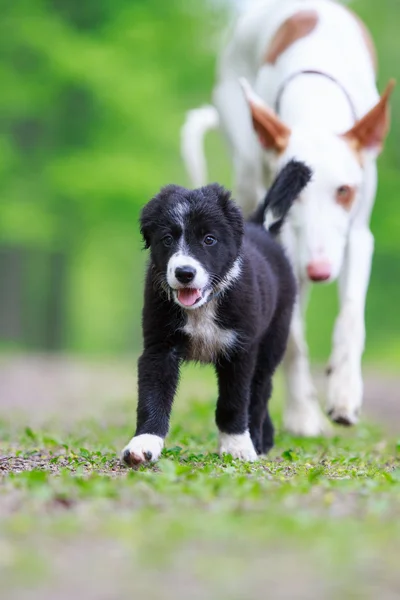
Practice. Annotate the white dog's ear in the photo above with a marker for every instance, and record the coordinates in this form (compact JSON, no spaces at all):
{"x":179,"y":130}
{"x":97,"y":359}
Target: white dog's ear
{"x":370,"y":131}
{"x":272,"y":132}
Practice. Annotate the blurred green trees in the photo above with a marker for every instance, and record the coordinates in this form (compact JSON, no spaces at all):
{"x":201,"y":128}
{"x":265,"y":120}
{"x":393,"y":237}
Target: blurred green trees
{"x":93,"y":96}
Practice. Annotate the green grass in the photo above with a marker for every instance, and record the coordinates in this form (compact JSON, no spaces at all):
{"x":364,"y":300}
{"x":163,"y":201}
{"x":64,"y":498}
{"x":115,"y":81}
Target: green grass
{"x":317,"y":518}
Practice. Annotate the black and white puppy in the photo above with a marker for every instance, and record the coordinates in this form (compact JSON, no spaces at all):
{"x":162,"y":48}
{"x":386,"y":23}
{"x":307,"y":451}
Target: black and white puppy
{"x":219,"y":291}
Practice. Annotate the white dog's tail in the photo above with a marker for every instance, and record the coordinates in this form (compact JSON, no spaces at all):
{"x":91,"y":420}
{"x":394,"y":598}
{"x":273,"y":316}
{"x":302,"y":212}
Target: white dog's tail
{"x":196,"y":125}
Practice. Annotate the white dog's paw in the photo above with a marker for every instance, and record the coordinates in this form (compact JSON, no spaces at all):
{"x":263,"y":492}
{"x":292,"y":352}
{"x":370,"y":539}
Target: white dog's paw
{"x":141,"y":449}
{"x":239,"y":445}
{"x":306,"y":420}
{"x":342,"y":415}
{"x":345,"y":391}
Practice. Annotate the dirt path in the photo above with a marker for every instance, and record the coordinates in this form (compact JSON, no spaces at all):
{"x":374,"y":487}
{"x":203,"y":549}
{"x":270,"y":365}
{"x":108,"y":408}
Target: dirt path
{"x":40,"y":388}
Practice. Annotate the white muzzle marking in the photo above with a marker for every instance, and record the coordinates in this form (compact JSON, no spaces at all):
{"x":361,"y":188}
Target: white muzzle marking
{"x":200,"y":284}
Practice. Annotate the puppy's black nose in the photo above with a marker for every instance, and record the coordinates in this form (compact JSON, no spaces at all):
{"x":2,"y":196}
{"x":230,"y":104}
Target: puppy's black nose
{"x":185,"y":274}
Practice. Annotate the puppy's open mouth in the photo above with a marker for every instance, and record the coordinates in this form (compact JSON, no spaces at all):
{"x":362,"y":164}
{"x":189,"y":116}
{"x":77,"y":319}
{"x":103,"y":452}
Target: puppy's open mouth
{"x":188,"y":296}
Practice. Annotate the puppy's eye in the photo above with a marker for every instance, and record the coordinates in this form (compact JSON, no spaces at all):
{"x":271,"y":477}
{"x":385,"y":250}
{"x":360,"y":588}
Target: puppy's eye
{"x":167,"y":240}
{"x":209,"y":240}
{"x":345,"y":196}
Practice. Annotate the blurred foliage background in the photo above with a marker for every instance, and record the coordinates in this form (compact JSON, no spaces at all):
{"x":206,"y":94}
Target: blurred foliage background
{"x":93,"y":94}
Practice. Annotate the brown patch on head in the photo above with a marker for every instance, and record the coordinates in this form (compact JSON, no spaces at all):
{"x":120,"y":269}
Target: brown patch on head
{"x":294,"y":28}
{"x":345,"y":195}
{"x":367,"y":37}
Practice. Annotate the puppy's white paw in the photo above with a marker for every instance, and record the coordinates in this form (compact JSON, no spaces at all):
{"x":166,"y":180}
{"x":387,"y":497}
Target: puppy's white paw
{"x":239,"y":445}
{"x":306,"y":420}
{"x":141,"y":449}
{"x":345,"y":391}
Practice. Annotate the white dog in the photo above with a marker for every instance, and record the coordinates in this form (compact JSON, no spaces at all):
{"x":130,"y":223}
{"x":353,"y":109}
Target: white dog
{"x":311,"y":64}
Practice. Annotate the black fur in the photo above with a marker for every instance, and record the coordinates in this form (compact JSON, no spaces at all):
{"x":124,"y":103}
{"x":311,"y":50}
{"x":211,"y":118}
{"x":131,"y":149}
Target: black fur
{"x":256,"y":307}
{"x":293,"y":178}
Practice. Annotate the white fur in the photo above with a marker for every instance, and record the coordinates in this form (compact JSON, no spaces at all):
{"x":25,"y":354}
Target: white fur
{"x":202,"y":280}
{"x":231,"y":276}
{"x":239,"y":445}
{"x":345,"y":385}
{"x":141,"y":445}
{"x":321,"y":226}
{"x":197,"y":122}
{"x":208,"y":340}
{"x":180,"y":259}
{"x":303,"y":415}
{"x":180,"y":210}
{"x":316,"y":109}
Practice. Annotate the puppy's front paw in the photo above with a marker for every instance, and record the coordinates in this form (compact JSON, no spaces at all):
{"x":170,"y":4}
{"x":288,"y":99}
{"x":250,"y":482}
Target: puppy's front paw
{"x":239,"y":445}
{"x":141,"y":449}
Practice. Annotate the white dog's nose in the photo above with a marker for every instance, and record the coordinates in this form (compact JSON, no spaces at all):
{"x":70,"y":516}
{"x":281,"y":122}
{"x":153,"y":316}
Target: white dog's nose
{"x":319,"y":270}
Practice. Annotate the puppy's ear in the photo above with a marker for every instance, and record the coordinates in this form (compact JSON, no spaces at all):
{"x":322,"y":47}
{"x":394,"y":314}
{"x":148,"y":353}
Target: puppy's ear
{"x":231,"y":210}
{"x":147,"y":223}
{"x":151,"y":213}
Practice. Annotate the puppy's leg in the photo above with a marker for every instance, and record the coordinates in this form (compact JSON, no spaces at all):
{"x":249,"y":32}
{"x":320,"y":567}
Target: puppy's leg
{"x":261,"y":389}
{"x":234,"y":382}
{"x":270,"y":354}
{"x":268,"y":434}
{"x":158,"y":379}
{"x":345,"y":384}
{"x":261,"y":427}
{"x":303,"y":415}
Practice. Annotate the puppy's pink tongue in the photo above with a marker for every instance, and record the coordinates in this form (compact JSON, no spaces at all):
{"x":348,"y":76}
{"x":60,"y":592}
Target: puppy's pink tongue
{"x":188,"y":296}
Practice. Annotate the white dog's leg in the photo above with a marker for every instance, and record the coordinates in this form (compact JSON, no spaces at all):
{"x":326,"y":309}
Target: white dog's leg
{"x":236,"y":125}
{"x":345,"y":385}
{"x":303,"y":415}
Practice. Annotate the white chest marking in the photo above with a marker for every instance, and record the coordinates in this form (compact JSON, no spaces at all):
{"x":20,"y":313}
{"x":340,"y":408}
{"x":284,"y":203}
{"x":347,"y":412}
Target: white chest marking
{"x":207,"y":339}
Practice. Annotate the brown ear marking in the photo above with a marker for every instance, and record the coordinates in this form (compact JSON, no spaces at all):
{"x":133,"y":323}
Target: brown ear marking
{"x":370,"y":131}
{"x":272,"y":132}
{"x":294,"y":28}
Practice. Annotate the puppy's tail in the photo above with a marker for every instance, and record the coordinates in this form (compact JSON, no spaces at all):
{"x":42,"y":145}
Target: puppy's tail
{"x":281,"y":195}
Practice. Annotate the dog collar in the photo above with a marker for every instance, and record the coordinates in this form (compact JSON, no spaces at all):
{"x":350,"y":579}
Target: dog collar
{"x":313,"y":72}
